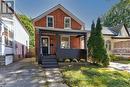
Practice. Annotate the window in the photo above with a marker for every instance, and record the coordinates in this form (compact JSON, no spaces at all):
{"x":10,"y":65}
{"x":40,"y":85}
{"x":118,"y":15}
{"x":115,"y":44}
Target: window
{"x":6,"y":36}
{"x":108,"y":45}
{"x":65,"y":42}
{"x":67,"y":22}
{"x":120,"y":34}
{"x":7,"y":7}
{"x":50,"y":21}
{"x":11,"y":34}
{"x":6,"y":41}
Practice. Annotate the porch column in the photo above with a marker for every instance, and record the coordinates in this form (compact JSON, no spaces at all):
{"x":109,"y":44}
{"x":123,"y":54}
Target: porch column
{"x":85,"y":46}
{"x":85,"y":41}
{"x":57,"y":42}
{"x":39,"y":49}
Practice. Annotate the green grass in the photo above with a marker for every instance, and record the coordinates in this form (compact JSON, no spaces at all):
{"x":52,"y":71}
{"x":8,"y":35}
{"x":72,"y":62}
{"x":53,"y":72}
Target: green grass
{"x":123,"y":61}
{"x":92,"y":76}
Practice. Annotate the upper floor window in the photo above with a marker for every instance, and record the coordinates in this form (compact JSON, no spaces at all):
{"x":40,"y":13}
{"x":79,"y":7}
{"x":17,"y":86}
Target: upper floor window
{"x":50,"y":21}
{"x":67,"y":22}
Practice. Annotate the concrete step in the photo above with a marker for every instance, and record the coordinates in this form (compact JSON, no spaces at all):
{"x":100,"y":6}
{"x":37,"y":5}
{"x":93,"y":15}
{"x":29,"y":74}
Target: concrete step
{"x":49,"y":63}
{"x":50,"y":66}
{"x":49,"y":60}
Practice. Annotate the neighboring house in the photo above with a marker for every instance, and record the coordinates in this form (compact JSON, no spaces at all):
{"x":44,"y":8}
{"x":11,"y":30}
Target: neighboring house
{"x":59,"y":33}
{"x":14,"y":38}
{"x":117,"y":40}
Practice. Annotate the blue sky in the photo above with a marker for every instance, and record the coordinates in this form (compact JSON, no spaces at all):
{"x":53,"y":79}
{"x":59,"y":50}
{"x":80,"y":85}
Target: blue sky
{"x":86,"y":10}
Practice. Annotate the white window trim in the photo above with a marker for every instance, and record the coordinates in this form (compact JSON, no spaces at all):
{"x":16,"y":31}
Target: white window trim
{"x":48,"y":43}
{"x":64,"y":22}
{"x":47,"y":21}
{"x":61,"y":40}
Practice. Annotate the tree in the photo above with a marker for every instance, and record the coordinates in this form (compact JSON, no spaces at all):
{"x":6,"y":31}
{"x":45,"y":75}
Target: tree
{"x":96,"y":45}
{"x":91,"y":42}
{"x":119,"y":13}
{"x":27,"y":23}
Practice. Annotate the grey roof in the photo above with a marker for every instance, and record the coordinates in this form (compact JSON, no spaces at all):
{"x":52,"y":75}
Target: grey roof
{"x":112,"y":30}
{"x":107,"y":30}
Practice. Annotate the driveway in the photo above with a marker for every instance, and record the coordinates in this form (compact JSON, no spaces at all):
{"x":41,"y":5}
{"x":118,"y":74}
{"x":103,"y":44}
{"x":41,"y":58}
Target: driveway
{"x":27,"y":73}
{"x":119,"y":66}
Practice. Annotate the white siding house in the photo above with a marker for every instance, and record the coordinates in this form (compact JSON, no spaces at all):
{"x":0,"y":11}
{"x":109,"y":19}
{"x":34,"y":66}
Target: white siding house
{"x":14,"y":39}
{"x":21,"y":38}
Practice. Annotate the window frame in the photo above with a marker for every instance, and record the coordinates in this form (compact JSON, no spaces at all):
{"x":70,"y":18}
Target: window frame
{"x":61,"y":41}
{"x":52,"y":21}
{"x":69,"y":24}
{"x":108,"y":45}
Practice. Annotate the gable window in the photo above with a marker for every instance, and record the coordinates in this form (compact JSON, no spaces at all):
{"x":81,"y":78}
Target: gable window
{"x":120,"y":34}
{"x":65,"y":42}
{"x":50,"y":21}
{"x":67,"y":22}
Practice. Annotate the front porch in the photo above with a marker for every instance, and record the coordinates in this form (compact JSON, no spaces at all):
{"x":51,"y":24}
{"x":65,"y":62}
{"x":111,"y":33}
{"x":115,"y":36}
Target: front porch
{"x":121,"y":47}
{"x":61,"y":49}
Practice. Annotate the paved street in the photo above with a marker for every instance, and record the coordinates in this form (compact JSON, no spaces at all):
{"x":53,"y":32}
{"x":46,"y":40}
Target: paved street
{"x":27,"y":73}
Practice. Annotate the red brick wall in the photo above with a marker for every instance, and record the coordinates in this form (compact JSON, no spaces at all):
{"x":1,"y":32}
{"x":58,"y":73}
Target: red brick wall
{"x":74,"y":42}
{"x":58,"y":20}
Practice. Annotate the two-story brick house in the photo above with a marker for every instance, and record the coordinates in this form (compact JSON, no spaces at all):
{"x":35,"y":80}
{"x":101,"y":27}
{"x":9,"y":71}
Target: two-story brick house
{"x":59,"y":33}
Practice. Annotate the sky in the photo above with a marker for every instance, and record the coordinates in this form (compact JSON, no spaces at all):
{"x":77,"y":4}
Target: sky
{"x":85,"y":10}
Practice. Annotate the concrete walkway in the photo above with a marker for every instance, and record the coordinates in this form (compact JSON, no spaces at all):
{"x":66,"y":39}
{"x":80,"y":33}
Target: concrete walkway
{"x":27,"y":73}
{"x":119,"y":66}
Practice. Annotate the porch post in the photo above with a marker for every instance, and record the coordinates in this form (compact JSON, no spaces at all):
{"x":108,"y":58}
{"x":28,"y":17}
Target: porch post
{"x":57,"y":42}
{"x":85,"y":46}
{"x":85,"y":41}
{"x":39,"y":49}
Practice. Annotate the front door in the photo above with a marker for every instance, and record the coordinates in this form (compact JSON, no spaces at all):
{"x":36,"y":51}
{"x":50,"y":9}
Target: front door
{"x":45,"y":46}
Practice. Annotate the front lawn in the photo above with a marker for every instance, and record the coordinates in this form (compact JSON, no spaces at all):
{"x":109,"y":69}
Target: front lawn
{"x":123,"y":61}
{"x":93,"y":76}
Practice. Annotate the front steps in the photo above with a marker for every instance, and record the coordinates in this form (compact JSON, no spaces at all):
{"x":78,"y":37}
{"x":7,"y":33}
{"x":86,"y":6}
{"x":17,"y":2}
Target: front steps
{"x":49,"y":62}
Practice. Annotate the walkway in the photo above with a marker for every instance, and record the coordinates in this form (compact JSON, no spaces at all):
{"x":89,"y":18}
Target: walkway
{"x":119,"y":66}
{"x":27,"y":73}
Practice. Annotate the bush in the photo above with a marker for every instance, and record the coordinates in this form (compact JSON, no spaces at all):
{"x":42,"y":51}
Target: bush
{"x":82,"y":60}
{"x":114,"y":58}
{"x":60,"y":60}
{"x":75,"y":60}
{"x":67,"y":60}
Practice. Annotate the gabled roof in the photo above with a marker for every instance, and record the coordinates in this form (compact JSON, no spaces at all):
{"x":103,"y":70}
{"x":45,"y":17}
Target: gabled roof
{"x":107,"y":31}
{"x":59,"y":6}
{"x":114,"y":30}
{"x":128,"y":30}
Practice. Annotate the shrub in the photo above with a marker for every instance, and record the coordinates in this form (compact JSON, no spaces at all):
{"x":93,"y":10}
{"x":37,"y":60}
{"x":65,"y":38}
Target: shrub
{"x":82,"y":60}
{"x":114,"y":57}
{"x":67,"y":60}
{"x":98,"y":53}
{"x":60,"y":60}
{"x":75,"y":60}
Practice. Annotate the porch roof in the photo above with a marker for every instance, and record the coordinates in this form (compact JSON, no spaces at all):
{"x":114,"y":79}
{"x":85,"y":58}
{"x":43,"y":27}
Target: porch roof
{"x":63,"y":31}
{"x":120,"y":37}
